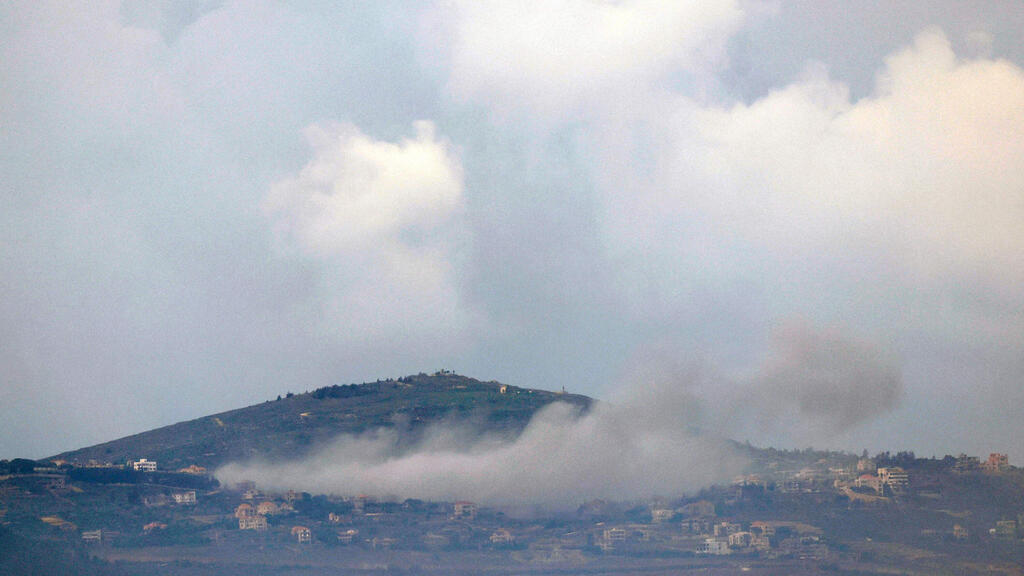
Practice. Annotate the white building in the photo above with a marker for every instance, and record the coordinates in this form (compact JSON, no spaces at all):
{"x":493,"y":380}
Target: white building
{"x":252,"y":523}
{"x":714,"y":547}
{"x":185,"y":497}
{"x":143,"y":465}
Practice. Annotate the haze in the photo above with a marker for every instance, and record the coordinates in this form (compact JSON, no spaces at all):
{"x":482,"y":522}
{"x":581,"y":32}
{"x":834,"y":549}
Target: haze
{"x":808,"y":215}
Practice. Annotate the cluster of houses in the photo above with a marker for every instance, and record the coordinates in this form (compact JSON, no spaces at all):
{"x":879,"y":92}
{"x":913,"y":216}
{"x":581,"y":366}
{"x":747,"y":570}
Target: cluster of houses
{"x":694,"y":525}
{"x":252,"y":515}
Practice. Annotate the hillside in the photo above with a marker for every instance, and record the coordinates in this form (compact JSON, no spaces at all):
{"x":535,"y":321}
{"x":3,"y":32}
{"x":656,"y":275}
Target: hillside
{"x":292,"y":425}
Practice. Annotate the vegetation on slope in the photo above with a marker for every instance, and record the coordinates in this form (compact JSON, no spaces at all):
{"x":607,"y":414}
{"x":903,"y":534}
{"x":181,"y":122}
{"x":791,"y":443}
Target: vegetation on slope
{"x":293,"y":425}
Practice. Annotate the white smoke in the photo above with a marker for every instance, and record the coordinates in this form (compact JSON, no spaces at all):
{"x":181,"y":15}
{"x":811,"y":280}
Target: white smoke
{"x":646,"y":442}
{"x":562,"y":458}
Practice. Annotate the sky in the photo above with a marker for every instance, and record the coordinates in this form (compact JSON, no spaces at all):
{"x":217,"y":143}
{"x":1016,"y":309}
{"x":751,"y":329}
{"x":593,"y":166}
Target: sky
{"x":817,"y":207}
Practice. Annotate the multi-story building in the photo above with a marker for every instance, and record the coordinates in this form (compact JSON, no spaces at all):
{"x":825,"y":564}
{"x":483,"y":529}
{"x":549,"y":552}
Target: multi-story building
{"x":894,"y":477}
{"x":996,"y":463}
{"x":714,"y":547}
{"x":143,"y":465}
{"x":465,"y":510}
{"x":252,"y":523}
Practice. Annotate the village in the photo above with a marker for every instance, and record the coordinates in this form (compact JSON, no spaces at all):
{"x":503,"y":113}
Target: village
{"x":832,"y":508}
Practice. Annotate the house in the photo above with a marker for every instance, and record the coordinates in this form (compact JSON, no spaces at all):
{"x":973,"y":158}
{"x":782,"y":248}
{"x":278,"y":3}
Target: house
{"x":92,"y":535}
{"x":437,"y":541}
{"x":714,"y":547}
{"x":188,"y":497}
{"x":965,"y":463}
{"x":245,"y":510}
{"x":660,"y":515}
{"x":612,"y":537}
{"x":154,"y":526}
{"x":866,"y":465}
{"x":252,"y":523}
{"x":250,"y":494}
{"x":267,"y":508}
{"x":143,"y":465}
{"x":502,"y":536}
{"x":302,"y":534}
{"x":697,"y":526}
{"x":347,"y":536}
{"x":996,"y":463}
{"x":193,"y":469}
{"x":959,"y":532}
{"x":464,"y":510}
{"x":740,"y":539}
{"x":869,"y":481}
{"x":766,"y":529}
{"x":1006,"y":529}
{"x":726,"y":528}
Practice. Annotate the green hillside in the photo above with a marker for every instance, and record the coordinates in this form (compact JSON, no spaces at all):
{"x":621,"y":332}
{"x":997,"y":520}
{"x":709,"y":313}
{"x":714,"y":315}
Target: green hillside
{"x":293,"y":425}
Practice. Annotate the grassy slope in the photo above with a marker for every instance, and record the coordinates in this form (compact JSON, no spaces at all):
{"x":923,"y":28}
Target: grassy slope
{"x":291,"y":426}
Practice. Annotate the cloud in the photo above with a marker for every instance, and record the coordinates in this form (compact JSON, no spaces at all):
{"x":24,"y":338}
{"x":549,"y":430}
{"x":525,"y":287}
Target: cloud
{"x":928,"y":166}
{"x":551,"y":58}
{"x":381,"y":218}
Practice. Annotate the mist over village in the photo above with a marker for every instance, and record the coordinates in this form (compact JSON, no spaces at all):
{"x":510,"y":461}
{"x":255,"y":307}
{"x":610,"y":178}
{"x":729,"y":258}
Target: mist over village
{"x":558,"y":287}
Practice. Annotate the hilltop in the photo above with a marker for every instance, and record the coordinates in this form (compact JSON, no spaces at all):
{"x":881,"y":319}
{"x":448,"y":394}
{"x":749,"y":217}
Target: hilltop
{"x":292,"y":425}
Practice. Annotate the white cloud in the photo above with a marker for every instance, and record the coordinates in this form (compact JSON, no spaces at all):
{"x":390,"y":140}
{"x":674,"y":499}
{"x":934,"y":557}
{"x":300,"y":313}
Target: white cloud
{"x":381,"y":218}
{"x":553,"y":57}
{"x":930,"y":165}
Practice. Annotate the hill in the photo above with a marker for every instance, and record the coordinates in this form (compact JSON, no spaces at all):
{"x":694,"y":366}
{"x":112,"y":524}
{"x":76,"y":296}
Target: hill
{"x":291,"y":426}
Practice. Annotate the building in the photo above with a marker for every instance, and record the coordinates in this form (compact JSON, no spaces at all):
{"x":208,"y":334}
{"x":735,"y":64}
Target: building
{"x":894,"y":477}
{"x":252,"y":523}
{"x":959,"y":532}
{"x":154,"y":526}
{"x":1005,"y":529}
{"x":188,"y":497}
{"x":245,"y":510}
{"x":714,"y":547}
{"x":996,"y":463}
{"x":965,"y":463}
{"x":464,"y":510}
{"x":302,"y":534}
{"x":347,"y":536}
{"x":267,"y":508}
{"x":763,"y":528}
{"x":660,"y":515}
{"x":869,"y":481}
{"x":697,"y":526}
{"x":143,"y":465}
{"x":193,"y":469}
{"x":502,"y":536}
{"x":740,"y":539}
{"x":727,"y":528}
{"x":92,"y":535}
{"x":866,"y":465}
